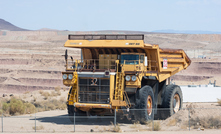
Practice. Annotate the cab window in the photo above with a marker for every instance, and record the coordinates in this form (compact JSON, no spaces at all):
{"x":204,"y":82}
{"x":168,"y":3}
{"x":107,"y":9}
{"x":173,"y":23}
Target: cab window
{"x":129,"y":59}
{"x":141,"y":58}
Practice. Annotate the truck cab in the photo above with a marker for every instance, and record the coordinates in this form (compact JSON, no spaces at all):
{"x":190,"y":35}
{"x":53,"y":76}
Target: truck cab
{"x":133,"y":62}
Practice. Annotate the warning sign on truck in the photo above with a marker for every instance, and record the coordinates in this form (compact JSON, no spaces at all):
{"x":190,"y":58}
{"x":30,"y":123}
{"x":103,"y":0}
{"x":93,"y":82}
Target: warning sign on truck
{"x":164,"y":63}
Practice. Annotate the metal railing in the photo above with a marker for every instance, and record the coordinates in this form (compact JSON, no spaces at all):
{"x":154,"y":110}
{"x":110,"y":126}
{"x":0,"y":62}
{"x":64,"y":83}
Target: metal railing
{"x":105,"y":64}
{"x":91,"y":64}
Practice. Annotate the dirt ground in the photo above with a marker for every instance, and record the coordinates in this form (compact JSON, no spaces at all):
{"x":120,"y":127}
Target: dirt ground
{"x":167,"y":132}
{"x":32,"y":61}
{"x":58,"y":121}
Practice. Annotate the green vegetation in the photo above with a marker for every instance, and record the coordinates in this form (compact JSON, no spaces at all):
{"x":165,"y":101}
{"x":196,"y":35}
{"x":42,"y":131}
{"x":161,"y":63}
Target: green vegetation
{"x":17,"y":106}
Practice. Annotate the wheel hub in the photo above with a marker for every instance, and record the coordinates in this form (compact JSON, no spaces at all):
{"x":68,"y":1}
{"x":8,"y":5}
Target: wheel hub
{"x":176,"y":103}
{"x":149,"y":105}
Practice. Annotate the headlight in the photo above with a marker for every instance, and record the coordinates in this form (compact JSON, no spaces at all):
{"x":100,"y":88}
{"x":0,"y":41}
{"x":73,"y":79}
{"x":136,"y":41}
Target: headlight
{"x":65,"y":76}
{"x":134,"y":78}
{"x":127,"y":78}
{"x":70,"y":76}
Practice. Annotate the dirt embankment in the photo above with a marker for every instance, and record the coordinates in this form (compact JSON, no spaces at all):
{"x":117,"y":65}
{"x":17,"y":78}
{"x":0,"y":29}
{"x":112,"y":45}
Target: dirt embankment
{"x":198,"y":116}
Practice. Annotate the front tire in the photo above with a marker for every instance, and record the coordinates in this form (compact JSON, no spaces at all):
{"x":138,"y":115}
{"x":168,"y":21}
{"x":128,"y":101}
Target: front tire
{"x":145,"y":105}
{"x":172,"y":101}
{"x":71,"y":112}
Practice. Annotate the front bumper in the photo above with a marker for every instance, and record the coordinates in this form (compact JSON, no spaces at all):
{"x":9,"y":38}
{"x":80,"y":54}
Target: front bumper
{"x":89,"y":105}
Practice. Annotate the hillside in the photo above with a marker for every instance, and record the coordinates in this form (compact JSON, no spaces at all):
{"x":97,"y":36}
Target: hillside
{"x":4,"y":25}
{"x":32,"y":60}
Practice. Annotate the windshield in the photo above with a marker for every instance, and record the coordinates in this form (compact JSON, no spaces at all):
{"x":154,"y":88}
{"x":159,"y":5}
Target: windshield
{"x":129,"y":59}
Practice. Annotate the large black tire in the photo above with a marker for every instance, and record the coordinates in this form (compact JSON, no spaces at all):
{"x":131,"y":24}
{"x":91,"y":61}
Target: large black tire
{"x":144,"y":111}
{"x":172,"y":101}
{"x":71,"y":112}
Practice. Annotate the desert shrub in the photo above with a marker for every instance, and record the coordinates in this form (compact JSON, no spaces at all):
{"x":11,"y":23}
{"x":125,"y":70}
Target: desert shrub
{"x":206,"y":122}
{"x":156,"y":126}
{"x":37,"y":104}
{"x":64,"y":89}
{"x":58,"y":104}
{"x":195,"y":122}
{"x":16,"y":107}
{"x":5,"y":107}
{"x":63,"y":106}
{"x":53,"y":93}
{"x":41,"y":91}
{"x":219,"y":102}
{"x":38,"y":127}
{"x":115,"y":128}
{"x":50,"y":105}
{"x":29,"y":108}
{"x":137,"y":126}
{"x":62,"y":99}
{"x":46,"y":95}
{"x":57,"y":91}
{"x":34,"y":98}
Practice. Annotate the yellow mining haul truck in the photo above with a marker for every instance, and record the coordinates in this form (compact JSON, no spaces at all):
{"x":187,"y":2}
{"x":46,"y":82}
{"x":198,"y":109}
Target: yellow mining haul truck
{"x":122,"y":71}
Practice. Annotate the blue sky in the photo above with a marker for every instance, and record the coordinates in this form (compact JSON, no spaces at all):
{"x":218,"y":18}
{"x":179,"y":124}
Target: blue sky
{"x":92,"y":15}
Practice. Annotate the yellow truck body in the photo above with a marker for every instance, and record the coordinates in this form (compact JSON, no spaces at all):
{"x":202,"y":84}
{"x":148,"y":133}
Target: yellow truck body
{"x":113,"y":69}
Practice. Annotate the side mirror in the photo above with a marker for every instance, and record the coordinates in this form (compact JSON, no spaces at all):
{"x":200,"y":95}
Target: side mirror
{"x":72,"y":60}
{"x":66,"y":54}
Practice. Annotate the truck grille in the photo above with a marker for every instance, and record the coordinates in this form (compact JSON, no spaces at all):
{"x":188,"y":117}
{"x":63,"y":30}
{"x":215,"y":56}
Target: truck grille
{"x":94,"y":90}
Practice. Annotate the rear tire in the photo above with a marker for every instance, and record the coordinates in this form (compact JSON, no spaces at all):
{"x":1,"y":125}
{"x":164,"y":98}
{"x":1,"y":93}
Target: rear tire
{"x":172,"y":101}
{"x":145,"y":105}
